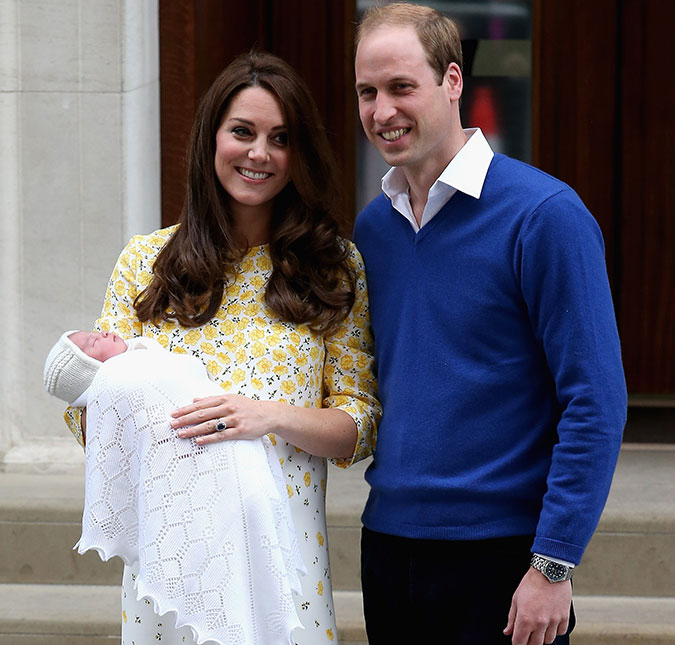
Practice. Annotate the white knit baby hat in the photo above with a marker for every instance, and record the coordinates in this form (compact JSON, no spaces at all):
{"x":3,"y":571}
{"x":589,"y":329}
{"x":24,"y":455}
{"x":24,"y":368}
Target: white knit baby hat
{"x":68,"y":370}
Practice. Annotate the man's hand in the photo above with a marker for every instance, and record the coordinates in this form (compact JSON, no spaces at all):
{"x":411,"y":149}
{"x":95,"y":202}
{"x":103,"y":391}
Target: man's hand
{"x":539,"y":610}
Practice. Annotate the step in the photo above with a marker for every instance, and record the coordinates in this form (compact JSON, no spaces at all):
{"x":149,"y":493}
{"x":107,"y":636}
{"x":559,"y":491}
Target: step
{"x":80,"y":614}
{"x":630,"y":554}
{"x":40,"y":522}
{"x":59,"y":614}
{"x":90,"y":615}
{"x":632,"y":550}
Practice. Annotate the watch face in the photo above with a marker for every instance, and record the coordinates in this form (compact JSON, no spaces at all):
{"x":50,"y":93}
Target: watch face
{"x":555,"y":571}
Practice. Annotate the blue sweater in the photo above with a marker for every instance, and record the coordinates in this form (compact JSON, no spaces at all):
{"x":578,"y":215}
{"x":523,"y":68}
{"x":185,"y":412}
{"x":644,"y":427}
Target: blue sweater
{"x":499,"y":366}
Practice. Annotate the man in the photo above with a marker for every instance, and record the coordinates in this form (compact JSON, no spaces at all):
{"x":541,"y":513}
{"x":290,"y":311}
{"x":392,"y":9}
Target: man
{"x":498,"y":362}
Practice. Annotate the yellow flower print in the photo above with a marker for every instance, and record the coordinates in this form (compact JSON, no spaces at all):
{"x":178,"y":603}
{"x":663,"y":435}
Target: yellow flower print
{"x":238,"y":376}
{"x":329,"y":635}
{"x":314,"y":353}
{"x":301,"y":379}
{"x":234,"y":308}
{"x":124,"y":310}
{"x":120,"y":288}
{"x":243,"y":324}
{"x":348,"y":381}
{"x":144,"y":278}
{"x":213,"y":368}
{"x":208,"y":348}
{"x":353,"y":343}
{"x":273,"y":439}
{"x":124,"y":328}
{"x":362,"y":361}
{"x":163,"y":340}
{"x":241,"y":356}
{"x":288,"y":387}
{"x":294,"y":337}
{"x":319,"y":588}
{"x":210,"y":332}
{"x":257,"y":383}
{"x":264,"y":365}
{"x":280,"y":370}
{"x":289,"y":490}
{"x":257,"y":334}
{"x":294,"y":351}
{"x":223,"y":358}
{"x":279,"y":355}
{"x":247,"y":295}
{"x":252,"y":309}
{"x":105,"y":326}
{"x":308,"y":478}
{"x":229,"y":346}
{"x":301,"y":360}
{"x":226,"y":385}
{"x":239,"y":340}
{"x":274,"y":339}
{"x":263,"y":263}
{"x":257,"y":349}
{"x":192,"y":337}
{"x":246,"y":265}
{"x":258,"y":282}
{"x":346,"y":362}
{"x":232,"y":290}
{"x":227,"y":327}
{"x":179,"y":350}
{"x":320,"y":539}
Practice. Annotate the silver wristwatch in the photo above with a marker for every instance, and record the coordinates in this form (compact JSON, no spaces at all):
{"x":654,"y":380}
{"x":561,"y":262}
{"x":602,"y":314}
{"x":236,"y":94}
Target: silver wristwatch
{"x":554,"y":571}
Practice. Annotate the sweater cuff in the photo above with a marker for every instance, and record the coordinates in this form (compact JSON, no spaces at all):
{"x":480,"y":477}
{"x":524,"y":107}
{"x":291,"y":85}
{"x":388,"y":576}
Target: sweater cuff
{"x":564,"y":551}
{"x":571,"y":565}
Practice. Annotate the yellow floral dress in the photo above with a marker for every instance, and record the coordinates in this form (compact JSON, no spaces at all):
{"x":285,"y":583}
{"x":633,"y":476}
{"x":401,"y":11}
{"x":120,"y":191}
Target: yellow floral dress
{"x":250,"y":351}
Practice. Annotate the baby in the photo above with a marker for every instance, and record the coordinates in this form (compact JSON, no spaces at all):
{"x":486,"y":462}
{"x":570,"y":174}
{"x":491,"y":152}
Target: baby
{"x":186,"y":518}
{"x":72,"y":363}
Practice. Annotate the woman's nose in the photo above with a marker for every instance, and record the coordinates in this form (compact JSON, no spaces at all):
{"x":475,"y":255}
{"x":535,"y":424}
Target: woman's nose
{"x":258,"y":152}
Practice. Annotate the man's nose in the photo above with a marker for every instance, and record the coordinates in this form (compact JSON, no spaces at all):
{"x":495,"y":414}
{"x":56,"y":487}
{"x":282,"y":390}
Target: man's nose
{"x":384,"y":109}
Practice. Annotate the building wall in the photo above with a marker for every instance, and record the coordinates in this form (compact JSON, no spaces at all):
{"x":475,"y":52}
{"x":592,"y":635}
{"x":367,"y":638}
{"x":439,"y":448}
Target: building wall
{"x":79,"y":174}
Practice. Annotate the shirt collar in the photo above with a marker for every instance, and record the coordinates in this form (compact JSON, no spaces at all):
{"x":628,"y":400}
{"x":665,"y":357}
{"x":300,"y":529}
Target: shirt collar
{"x":466,"y":171}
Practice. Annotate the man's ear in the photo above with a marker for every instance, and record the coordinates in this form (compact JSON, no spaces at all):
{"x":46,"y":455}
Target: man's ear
{"x":453,"y":81}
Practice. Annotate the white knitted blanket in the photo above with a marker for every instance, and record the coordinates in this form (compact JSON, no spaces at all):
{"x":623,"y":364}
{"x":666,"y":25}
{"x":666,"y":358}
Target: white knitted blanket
{"x":209,"y":525}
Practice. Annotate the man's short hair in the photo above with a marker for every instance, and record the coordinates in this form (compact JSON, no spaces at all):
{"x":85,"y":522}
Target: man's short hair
{"x":437,"y":33}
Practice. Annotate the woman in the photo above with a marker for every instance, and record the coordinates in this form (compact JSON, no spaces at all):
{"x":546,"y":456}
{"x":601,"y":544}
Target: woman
{"x":256,"y":282}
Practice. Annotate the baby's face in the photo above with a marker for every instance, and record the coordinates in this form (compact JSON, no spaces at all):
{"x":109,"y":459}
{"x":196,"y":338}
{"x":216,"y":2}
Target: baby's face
{"x":99,"y":345}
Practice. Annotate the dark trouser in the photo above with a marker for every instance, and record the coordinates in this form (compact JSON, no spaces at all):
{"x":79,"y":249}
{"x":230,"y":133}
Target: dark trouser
{"x":415,"y":590}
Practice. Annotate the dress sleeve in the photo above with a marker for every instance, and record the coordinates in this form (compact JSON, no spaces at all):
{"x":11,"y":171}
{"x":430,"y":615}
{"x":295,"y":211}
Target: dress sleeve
{"x":349,"y":381}
{"x":118,"y":314}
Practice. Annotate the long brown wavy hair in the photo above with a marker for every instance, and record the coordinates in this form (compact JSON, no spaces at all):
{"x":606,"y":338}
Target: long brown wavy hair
{"x":312,"y":281}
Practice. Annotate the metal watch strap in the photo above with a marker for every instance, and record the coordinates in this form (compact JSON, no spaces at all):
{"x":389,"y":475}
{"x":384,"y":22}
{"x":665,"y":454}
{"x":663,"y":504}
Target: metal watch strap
{"x":553,"y":571}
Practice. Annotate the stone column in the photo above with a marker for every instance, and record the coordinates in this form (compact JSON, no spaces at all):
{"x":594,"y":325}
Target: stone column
{"x":79,"y":175}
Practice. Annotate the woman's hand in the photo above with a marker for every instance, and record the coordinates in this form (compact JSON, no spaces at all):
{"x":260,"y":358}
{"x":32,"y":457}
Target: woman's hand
{"x":325,"y":432}
{"x":243,"y":418}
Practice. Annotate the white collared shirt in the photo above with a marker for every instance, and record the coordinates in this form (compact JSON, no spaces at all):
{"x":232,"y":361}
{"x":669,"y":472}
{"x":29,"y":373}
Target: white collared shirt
{"x":465,"y":173}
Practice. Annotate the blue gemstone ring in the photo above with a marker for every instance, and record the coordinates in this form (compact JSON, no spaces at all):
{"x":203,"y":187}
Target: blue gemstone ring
{"x":220,"y":425}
